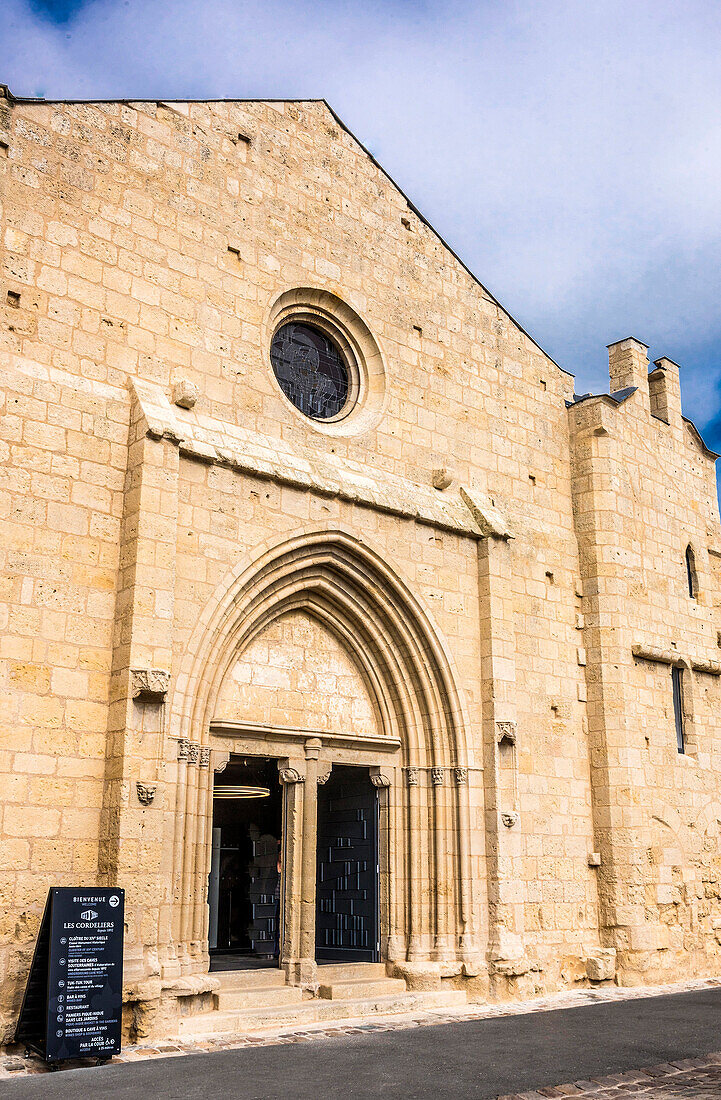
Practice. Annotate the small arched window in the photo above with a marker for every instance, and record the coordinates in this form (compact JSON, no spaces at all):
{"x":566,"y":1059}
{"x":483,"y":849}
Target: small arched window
{"x":691,"y":577}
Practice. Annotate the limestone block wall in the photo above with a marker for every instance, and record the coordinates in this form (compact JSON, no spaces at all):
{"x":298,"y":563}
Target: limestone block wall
{"x":645,"y":491}
{"x":149,"y":244}
{"x":295,"y":673}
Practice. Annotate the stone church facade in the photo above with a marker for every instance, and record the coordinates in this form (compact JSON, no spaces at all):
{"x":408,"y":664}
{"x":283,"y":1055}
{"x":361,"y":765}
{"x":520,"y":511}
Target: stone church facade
{"x":290,"y":506}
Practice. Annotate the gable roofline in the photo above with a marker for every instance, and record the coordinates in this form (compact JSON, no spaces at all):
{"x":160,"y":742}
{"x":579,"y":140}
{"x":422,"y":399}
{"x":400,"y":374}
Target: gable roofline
{"x":264,"y":99}
{"x":696,"y":434}
{"x":441,"y":239}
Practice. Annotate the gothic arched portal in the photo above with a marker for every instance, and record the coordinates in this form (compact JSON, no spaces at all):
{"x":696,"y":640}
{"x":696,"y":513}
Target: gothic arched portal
{"x":333,"y":579}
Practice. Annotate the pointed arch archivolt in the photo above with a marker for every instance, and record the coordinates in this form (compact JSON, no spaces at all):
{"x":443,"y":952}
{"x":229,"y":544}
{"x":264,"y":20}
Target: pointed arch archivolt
{"x":360,"y":598}
{"x":348,"y":588}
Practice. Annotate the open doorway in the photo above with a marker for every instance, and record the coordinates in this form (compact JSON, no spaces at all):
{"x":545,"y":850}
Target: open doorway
{"x":244,"y":881}
{"x":347,"y":889}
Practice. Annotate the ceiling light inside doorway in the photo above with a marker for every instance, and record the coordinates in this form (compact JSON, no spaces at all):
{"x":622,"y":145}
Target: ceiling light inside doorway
{"x":241,"y":792}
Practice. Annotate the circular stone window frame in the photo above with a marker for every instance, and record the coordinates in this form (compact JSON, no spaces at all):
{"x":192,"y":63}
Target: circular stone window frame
{"x":360,"y":352}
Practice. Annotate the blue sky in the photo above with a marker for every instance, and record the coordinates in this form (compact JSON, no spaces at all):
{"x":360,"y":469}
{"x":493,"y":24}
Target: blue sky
{"x":570,"y":152}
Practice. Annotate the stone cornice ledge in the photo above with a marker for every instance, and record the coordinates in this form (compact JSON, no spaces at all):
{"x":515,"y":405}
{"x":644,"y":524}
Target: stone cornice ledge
{"x":671,"y":657}
{"x":217,"y":442}
{"x":228,"y":727}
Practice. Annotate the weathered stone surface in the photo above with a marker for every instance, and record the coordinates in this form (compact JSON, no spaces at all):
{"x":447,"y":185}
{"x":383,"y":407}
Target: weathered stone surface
{"x":497,"y":647}
{"x":601,"y":967}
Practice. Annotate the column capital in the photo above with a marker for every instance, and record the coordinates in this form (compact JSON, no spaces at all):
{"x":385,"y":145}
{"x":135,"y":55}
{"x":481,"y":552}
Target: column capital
{"x":289,"y":776}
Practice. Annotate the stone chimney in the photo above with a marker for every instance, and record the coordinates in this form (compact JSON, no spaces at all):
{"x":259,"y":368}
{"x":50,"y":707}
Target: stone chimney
{"x":628,"y":365}
{"x":664,"y":385}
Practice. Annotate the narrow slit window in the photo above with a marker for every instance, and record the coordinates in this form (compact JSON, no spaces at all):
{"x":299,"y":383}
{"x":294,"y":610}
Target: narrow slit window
{"x":676,"y":680}
{"x":691,"y":577}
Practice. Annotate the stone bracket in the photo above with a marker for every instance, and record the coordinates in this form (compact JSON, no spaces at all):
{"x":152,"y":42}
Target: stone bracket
{"x":149,"y":685}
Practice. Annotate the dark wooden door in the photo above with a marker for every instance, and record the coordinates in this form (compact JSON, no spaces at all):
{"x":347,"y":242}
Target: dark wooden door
{"x":347,"y":885}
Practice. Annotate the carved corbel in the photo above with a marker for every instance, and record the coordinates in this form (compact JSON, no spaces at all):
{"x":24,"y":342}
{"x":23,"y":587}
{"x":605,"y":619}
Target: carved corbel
{"x":510,"y":819}
{"x":288,"y":776}
{"x":323,"y":779}
{"x":145,"y":792}
{"x":149,"y":685}
{"x":506,"y":731}
{"x":220,"y":762}
{"x":380,"y":781}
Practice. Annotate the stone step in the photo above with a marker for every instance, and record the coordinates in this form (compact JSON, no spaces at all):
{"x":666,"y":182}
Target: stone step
{"x":270,"y":977}
{"x":360,"y":989}
{"x":316,"y":1011}
{"x":258,"y":997}
{"x":346,"y":972}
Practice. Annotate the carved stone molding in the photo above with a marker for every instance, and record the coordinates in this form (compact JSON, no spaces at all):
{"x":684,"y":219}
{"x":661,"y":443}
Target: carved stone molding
{"x":145,"y":792}
{"x":149,"y":685}
{"x":412,"y":777}
{"x":332,"y":476}
{"x":323,"y":779}
{"x":437,"y":777}
{"x":510,"y":819}
{"x":671,"y":657}
{"x":461,"y":775}
{"x":380,"y":781}
{"x":204,"y":760}
{"x":221,"y":762}
{"x":183,"y":748}
{"x":290,"y":776}
{"x":506,"y":731}
{"x":193,"y":752}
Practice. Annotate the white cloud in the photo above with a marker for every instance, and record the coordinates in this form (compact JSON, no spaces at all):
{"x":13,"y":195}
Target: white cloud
{"x":570,"y":152}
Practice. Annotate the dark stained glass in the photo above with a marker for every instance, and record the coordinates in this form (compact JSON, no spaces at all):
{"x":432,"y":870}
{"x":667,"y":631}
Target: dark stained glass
{"x":310,"y":370}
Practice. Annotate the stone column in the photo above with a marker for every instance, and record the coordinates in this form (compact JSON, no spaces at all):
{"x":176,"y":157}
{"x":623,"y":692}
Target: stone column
{"x":443,"y":841}
{"x":416,"y":943}
{"x":308,"y":969}
{"x":387,"y":887}
{"x":291,"y":775}
{"x":202,"y":854}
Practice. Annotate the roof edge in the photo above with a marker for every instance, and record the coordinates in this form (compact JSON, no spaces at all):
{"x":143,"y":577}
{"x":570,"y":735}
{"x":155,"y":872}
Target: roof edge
{"x":442,"y":240}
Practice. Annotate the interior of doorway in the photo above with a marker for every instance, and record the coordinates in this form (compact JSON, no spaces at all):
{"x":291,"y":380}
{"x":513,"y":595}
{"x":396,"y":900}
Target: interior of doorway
{"x":244,"y":881}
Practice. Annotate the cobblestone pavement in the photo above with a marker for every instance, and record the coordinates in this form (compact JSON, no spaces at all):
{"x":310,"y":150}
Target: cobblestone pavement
{"x":691,"y":1079}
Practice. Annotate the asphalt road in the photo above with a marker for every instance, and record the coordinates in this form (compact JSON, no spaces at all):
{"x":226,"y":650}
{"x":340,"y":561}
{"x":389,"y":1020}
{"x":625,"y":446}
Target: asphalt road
{"x":476,"y":1058}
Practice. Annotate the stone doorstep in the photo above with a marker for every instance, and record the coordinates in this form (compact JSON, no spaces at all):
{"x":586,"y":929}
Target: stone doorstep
{"x":255,"y":1000}
{"x":358,"y":989}
{"x":345,"y":972}
{"x":227,"y":1000}
{"x":315,"y":1011}
{"x":249,"y":979}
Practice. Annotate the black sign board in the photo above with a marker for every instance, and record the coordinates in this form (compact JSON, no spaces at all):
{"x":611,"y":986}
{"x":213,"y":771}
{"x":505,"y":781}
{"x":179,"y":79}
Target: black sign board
{"x":74,"y":997}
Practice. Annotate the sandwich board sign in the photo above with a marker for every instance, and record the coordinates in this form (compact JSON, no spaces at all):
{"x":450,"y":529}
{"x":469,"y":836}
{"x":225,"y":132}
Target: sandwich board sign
{"x":73,"y":1000}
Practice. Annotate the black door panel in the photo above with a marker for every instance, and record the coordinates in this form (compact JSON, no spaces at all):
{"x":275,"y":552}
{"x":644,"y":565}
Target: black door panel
{"x":347,"y":884}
